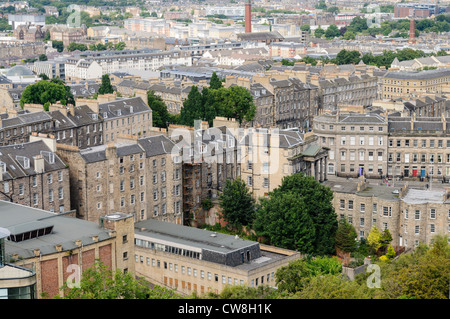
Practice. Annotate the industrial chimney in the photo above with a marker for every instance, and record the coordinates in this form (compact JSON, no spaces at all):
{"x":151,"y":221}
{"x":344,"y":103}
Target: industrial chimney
{"x":412,"y":31}
{"x":248,"y":16}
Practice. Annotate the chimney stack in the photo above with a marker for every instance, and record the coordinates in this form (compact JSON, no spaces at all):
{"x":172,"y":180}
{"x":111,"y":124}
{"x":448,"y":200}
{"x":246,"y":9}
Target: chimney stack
{"x":248,"y":16}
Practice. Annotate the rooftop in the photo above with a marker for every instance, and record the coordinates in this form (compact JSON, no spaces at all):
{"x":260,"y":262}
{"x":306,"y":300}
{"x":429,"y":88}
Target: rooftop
{"x":65,"y":231}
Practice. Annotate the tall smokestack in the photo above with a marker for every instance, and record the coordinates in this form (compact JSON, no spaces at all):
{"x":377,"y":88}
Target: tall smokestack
{"x":412,"y":31}
{"x":248,"y":16}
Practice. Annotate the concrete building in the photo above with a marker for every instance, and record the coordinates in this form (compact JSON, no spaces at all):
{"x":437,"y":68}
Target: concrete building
{"x":16,"y":20}
{"x":188,"y":259}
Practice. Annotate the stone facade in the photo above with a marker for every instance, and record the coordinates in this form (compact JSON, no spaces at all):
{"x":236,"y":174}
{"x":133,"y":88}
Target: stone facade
{"x":418,"y":147}
{"x":135,"y":176}
{"x":400,"y":84}
{"x":412,"y":216}
{"x":33,"y":175}
{"x":357,"y":143}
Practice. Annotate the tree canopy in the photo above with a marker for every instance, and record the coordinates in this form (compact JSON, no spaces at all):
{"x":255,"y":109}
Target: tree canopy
{"x":105,"y":87}
{"x":46,"y":92}
{"x":233,"y":102}
{"x":298,"y":215}
{"x":237,"y":204}
{"x":161,"y":117}
{"x":100,"y":282}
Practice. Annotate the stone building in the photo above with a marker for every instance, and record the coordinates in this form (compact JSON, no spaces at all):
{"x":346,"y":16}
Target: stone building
{"x":15,"y":128}
{"x":29,"y":33}
{"x":335,"y":92}
{"x":131,"y":116}
{"x":33,"y":175}
{"x":418,"y":147}
{"x":412,"y":215}
{"x":17,"y":51}
{"x":357,"y":143}
{"x":190,"y":260}
{"x":133,"y":176}
{"x":401,"y":84}
{"x":294,"y":103}
{"x":58,"y":247}
{"x":267,"y":156}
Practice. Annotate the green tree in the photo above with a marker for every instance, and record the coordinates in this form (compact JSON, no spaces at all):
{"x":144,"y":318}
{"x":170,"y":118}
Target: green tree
{"x":236,"y":102}
{"x":77,"y":46}
{"x":319,"y":32}
{"x":385,"y":239}
{"x":161,"y":117}
{"x":237,"y":204}
{"x":58,"y":45}
{"x":373,"y":238}
{"x":333,"y":287}
{"x":332,"y":32}
{"x":100,"y":282}
{"x":346,"y":236}
{"x":44,"y":92}
{"x":298,"y":215}
{"x":105,"y":87}
{"x":349,"y":35}
{"x":119,"y":46}
{"x":43,"y":57}
{"x":348,"y":57}
{"x":333,"y":10}
{"x":215,"y":82}
{"x":305,"y":27}
{"x":243,"y":292}
{"x":297,"y":274}
{"x":43,"y":76}
{"x":191,"y":109}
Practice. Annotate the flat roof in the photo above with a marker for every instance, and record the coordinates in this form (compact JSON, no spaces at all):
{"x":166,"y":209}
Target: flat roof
{"x":190,"y":236}
{"x":419,"y":196}
{"x":66,"y":230}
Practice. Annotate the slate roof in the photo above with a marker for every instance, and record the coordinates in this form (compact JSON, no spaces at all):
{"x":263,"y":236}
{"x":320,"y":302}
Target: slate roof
{"x":417,"y":75}
{"x":13,"y":156}
{"x":156,"y":145}
{"x":110,"y":109}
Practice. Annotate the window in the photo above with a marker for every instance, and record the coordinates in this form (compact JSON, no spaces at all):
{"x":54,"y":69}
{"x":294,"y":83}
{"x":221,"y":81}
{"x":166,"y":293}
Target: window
{"x":432,"y":228}
{"x":350,"y":204}
{"x":60,"y":176}
{"x":374,"y":208}
{"x":417,"y":214}
{"x":361,"y":221}
{"x":363,"y":208}
{"x":342,"y":205}
{"x":417,"y":229}
{"x":387,"y":211}
{"x":50,"y":195}
{"x":432,"y":213}
{"x":60,"y":193}
{"x":35,"y":199}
